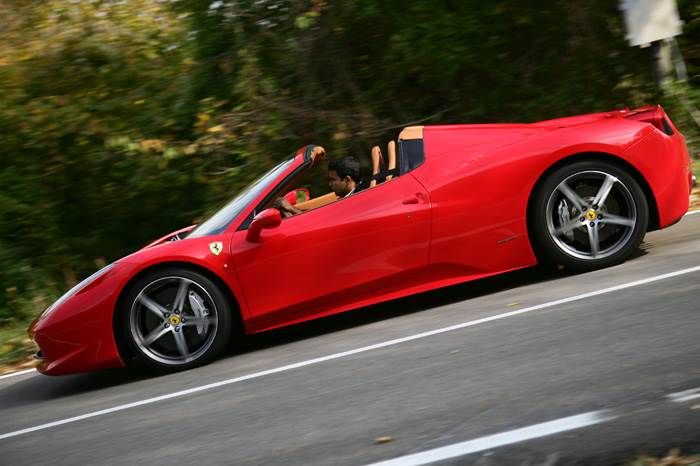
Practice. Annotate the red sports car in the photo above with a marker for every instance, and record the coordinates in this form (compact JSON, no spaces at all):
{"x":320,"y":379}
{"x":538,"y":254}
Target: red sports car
{"x":461,"y":202}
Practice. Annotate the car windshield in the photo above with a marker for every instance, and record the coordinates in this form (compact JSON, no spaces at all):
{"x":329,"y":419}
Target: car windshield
{"x":218,"y":222}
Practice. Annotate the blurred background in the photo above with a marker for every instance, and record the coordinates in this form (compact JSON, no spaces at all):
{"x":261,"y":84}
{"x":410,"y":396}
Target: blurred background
{"x":121,"y":121}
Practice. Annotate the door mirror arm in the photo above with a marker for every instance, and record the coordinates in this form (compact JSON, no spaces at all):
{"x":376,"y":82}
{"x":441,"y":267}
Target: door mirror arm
{"x":268,"y":218}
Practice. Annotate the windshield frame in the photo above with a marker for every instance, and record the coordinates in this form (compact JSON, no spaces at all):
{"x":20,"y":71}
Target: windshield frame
{"x":237,"y":208}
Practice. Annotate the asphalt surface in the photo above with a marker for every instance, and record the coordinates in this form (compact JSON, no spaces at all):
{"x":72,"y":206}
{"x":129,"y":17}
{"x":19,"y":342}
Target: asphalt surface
{"x":619,"y":354}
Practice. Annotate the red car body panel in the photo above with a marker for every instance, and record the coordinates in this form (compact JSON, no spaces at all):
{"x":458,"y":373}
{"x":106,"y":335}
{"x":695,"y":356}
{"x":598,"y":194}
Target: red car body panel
{"x":79,"y":335}
{"x":459,"y":216}
{"x":368,"y":241}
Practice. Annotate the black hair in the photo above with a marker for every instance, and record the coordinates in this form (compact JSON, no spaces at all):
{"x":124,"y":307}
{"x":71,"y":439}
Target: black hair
{"x":346,"y":166}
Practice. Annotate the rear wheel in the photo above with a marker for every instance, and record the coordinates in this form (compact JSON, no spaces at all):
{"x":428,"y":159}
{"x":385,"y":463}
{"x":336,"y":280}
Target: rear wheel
{"x":176,"y":319}
{"x":588,"y":215}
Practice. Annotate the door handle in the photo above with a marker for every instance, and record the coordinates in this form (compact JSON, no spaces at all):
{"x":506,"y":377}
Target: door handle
{"x":410,"y":200}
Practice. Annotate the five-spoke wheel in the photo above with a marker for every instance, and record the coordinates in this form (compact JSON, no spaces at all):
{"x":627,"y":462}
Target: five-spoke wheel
{"x":176,"y":319}
{"x":588,"y":215}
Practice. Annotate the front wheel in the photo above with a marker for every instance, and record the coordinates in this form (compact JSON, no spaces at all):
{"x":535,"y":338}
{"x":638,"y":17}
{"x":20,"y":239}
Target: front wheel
{"x":176,"y":319}
{"x":588,"y":215}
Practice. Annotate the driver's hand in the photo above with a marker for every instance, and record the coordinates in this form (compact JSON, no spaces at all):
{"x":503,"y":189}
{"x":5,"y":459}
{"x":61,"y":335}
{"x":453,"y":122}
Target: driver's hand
{"x":282,"y":203}
{"x":318,"y":154}
{"x":285,"y":207}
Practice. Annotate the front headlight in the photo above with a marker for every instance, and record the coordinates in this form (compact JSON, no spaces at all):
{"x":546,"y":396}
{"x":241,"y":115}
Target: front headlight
{"x":73,"y":291}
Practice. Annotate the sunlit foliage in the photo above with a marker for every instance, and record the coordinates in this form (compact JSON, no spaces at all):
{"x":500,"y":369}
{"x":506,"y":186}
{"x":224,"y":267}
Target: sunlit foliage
{"x":123,"y":120}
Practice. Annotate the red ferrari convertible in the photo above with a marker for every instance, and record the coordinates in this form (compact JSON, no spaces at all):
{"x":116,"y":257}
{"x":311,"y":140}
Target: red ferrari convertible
{"x":463,"y":202}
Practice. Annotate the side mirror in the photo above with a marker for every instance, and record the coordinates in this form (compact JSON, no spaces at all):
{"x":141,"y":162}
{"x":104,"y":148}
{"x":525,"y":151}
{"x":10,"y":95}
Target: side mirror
{"x":297,"y":195}
{"x":268,"y":218}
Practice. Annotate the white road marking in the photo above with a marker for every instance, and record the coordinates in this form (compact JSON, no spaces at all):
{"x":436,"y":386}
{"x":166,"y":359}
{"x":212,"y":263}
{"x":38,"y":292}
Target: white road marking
{"x":498,"y":440}
{"x":344,"y":354}
{"x":13,"y":374}
{"x":686,"y":395}
{"x":693,"y":212}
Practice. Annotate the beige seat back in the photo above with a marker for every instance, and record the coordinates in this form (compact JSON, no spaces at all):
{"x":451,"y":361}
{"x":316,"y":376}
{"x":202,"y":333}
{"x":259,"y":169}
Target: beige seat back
{"x":391,"y":158}
{"x":377,"y":164}
{"x":411,"y":132}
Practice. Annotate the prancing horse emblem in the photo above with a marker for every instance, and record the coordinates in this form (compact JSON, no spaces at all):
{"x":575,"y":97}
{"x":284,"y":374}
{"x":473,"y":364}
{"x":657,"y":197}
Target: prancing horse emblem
{"x":216,"y":247}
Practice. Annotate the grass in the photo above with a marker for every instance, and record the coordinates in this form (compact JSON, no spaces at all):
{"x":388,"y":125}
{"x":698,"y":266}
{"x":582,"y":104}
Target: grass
{"x":673,"y":458}
{"x":16,"y":349}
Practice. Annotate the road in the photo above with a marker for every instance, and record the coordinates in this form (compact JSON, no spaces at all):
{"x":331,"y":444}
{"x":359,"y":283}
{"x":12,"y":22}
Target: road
{"x":532,"y":367}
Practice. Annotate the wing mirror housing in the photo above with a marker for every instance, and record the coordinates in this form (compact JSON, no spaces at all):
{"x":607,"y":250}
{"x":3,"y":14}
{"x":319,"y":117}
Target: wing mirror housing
{"x":298,"y":195}
{"x":268,"y":218}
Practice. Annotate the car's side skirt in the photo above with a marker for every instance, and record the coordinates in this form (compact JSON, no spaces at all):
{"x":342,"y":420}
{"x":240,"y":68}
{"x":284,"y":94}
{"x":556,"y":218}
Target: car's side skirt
{"x":398,"y":291}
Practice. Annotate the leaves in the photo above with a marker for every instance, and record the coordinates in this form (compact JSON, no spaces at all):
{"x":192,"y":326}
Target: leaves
{"x":123,"y":120}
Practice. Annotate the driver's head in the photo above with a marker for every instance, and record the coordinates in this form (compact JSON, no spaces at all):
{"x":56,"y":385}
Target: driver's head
{"x":343,"y":175}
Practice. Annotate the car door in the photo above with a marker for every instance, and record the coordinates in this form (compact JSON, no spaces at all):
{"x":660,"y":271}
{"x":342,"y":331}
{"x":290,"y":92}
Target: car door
{"x":323,"y":257}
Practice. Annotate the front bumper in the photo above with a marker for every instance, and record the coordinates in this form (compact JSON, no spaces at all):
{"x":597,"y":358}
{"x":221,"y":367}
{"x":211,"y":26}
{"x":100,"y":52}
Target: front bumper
{"x":78,"y":336}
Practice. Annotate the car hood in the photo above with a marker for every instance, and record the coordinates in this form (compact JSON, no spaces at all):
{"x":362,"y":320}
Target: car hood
{"x":174,"y":236}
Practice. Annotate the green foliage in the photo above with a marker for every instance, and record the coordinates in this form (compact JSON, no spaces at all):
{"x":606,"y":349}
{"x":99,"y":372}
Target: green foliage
{"x":86,"y":74}
{"x":123,"y":120}
{"x":15,"y":346}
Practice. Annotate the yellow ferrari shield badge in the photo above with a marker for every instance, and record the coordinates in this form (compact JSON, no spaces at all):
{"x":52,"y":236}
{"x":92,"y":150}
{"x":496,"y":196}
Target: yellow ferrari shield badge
{"x":216,"y":247}
{"x":591,"y":215}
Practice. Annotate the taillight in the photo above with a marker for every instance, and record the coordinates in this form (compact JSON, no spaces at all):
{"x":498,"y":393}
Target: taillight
{"x":654,"y":116}
{"x":692,"y":181}
{"x":666,"y":126}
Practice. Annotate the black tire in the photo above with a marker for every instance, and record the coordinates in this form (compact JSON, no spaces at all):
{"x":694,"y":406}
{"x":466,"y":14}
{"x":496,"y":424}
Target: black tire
{"x":189,"y":328}
{"x":596,"y":236}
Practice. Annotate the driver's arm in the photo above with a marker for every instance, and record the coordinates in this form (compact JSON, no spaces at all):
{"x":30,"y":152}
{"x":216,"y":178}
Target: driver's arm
{"x":286,"y":208}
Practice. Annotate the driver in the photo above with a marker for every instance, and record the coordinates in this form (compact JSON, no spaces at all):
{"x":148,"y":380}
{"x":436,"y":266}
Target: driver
{"x":344,"y":175}
{"x":343,"y":179}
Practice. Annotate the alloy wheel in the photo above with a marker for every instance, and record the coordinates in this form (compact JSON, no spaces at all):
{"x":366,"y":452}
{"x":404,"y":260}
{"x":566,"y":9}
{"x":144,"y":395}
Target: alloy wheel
{"x":173,"y":320}
{"x":591,"y":215}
